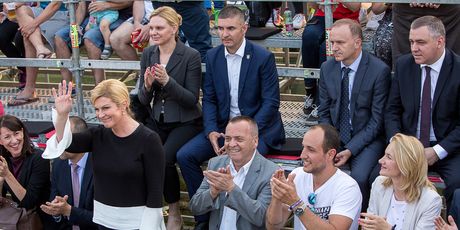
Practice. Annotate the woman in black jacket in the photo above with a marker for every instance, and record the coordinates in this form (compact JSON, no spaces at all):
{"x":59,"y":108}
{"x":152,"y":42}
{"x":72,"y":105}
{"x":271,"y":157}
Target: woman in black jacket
{"x":23,"y":173}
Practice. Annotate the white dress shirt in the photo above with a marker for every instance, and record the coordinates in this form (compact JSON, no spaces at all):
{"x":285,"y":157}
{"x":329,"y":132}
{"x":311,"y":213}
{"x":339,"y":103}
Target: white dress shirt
{"x":434,"y":74}
{"x":233,"y":72}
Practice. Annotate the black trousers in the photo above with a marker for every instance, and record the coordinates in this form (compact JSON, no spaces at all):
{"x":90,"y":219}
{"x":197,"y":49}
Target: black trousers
{"x":12,"y":44}
{"x":174,"y":136}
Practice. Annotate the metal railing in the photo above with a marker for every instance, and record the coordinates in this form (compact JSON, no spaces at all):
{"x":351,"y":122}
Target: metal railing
{"x":77,"y":65}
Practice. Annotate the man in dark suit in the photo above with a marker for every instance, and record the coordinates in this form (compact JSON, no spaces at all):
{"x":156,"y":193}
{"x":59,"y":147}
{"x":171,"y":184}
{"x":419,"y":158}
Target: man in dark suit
{"x":429,"y":109}
{"x":241,"y":79}
{"x":353,"y":91}
{"x":236,"y":190}
{"x":72,"y":175}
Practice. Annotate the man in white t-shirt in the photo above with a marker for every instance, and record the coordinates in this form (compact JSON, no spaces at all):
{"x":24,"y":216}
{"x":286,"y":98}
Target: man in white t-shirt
{"x":319,"y":194}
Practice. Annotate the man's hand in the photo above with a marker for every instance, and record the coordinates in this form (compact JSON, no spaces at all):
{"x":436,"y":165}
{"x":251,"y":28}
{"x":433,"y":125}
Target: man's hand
{"x":431,"y":156}
{"x":98,"y":6}
{"x":143,"y":34}
{"x":371,"y":221}
{"x":58,"y":206}
{"x":342,"y":157}
{"x":213,"y":138}
{"x":284,"y":191}
{"x":221,"y":179}
{"x":28,"y":29}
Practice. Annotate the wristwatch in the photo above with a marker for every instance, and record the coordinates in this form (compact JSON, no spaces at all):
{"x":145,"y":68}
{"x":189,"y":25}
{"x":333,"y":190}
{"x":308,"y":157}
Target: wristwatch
{"x":300,"y":210}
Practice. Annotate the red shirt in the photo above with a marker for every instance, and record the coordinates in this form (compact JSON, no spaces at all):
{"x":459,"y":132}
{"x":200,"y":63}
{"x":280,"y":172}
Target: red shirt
{"x":340,"y":12}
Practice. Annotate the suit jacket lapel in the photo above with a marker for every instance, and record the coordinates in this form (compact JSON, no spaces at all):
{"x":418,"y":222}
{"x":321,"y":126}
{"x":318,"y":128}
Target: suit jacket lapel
{"x":416,"y":90}
{"x":337,"y":78}
{"x":67,"y":180}
{"x":155,"y":58}
{"x":443,"y":76}
{"x":87,"y":178}
{"x":222,"y":79}
{"x":176,"y":56}
{"x":245,"y":62}
{"x":359,"y":78}
{"x":222,"y":196}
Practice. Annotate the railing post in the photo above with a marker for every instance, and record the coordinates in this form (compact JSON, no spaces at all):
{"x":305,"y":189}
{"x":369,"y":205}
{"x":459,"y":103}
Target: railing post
{"x":328,"y":21}
{"x":76,"y":67}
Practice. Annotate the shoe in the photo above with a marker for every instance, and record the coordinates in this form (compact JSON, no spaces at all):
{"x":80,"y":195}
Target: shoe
{"x":299,"y":21}
{"x":310,"y":110}
{"x":275,"y":19}
{"x":106,"y":53}
{"x":202,"y":225}
{"x":22,"y":101}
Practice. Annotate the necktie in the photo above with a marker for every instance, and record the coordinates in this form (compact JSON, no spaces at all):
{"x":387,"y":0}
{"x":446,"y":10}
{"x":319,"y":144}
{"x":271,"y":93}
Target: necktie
{"x":344,"y":117}
{"x":76,"y":189}
{"x":425,"y":115}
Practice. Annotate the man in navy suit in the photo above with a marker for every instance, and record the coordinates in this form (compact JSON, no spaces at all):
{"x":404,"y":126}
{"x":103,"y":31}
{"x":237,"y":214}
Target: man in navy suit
{"x":241,"y":79}
{"x":429,"y":109}
{"x":62,"y":207}
{"x":353,"y":91}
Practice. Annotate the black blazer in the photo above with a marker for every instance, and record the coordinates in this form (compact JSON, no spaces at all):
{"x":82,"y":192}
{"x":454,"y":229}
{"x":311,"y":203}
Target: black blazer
{"x":368,"y":98}
{"x":61,"y":185}
{"x":403,"y":104}
{"x":182,"y":92}
{"x":35,"y":178}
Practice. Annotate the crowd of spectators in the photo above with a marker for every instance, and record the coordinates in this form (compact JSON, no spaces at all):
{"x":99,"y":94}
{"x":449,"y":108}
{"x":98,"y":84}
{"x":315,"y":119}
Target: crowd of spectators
{"x":376,"y":124}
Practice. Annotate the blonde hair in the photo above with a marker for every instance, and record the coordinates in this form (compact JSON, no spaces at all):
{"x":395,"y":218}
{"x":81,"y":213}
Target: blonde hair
{"x":170,"y":15}
{"x":409,"y":155}
{"x":115,"y":90}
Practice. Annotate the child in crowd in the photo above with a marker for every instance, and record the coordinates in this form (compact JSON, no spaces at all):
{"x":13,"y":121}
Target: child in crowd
{"x":103,"y":19}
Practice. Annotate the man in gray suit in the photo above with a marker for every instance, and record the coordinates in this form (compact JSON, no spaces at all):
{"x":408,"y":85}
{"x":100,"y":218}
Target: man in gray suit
{"x":236,"y":187}
{"x":353,"y":91}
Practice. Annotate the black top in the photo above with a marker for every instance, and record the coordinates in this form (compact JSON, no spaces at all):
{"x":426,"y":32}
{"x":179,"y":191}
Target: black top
{"x":34,"y":176}
{"x":128,"y":171}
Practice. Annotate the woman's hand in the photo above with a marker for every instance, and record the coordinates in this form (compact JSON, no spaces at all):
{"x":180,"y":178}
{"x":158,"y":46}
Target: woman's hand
{"x":149,"y":78}
{"x":371,"y":221}
{"x":160,"y":74}
{"x":63,"y":98}
{"x":4,"y":171}
{"x":442,"y":225}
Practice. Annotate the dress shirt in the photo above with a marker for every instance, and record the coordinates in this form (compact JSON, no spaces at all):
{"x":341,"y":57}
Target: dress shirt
{"x":434,"y":74}
{"x":229,"y":215}
{"x":233,"y":72}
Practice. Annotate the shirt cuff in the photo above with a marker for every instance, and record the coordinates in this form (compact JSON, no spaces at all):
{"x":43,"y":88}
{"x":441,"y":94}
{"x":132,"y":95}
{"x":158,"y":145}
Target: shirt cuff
{"x":440,"y":151}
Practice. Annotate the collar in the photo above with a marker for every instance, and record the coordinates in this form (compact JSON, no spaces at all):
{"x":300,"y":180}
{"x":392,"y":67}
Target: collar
{"x":82,"y":162}
{"x":239,"y":52}
{"x":354,"y":66}
{"x":437,"y":65}
{"x":245,"y":167}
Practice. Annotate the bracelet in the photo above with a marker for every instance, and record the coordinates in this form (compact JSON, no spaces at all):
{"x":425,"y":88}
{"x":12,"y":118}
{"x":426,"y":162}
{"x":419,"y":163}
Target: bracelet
{"x":295,"y":205}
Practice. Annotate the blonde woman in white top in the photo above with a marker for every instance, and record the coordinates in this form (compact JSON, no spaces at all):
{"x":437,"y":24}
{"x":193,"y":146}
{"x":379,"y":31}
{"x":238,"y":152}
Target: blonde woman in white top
{"x":402,"y":197}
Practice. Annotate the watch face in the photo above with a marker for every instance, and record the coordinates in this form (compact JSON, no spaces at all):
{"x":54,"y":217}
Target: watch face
{"x":299,"y":211}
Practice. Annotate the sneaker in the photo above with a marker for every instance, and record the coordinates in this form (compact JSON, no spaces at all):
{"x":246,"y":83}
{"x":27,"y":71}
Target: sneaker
{"x":299,"y":21}
{"x":106,"y":53}
{"x":275,"y":19}
{"x":310,"y":110}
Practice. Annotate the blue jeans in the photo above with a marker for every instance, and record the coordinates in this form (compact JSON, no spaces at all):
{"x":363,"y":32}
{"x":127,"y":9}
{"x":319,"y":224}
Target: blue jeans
{"x":192,"y":155}
{"x":313,"y":47}
{"x":63,"y":33}
{"x":95,"y":35}
{"x":195,"y":24}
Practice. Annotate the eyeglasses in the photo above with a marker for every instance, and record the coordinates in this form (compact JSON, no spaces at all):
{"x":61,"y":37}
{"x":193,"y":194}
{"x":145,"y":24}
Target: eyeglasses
{"x":312,"y":201}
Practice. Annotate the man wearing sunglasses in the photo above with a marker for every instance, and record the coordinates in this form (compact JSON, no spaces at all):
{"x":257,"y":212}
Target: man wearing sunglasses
{"x":319,"y":194}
